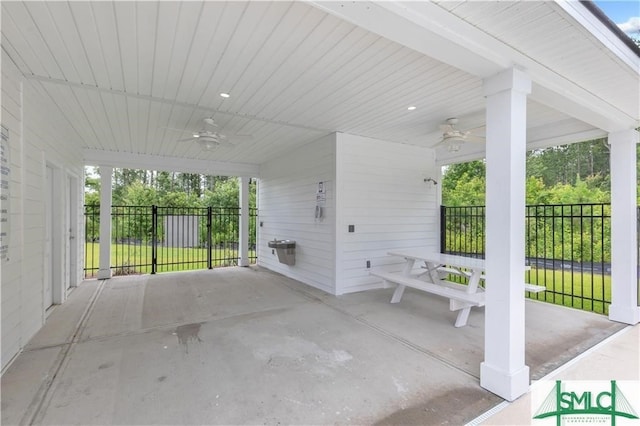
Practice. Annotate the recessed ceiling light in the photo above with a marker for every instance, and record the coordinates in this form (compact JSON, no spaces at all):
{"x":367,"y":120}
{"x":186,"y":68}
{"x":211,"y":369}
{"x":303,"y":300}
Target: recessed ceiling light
{"x":411,"y":108}
{"x":224,"y":95}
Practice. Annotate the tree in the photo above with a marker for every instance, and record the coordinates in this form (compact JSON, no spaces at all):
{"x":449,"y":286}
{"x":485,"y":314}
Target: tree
{"x":138,"y":194}
{"x":165,"y":183}
{"x":576,"y":173}
{"x":191,"y":183}
{"x":121,"y":180}
{"x":179,"y":199}
{"x":566,"y":163}
{"x":224,"y":195}
{"x":464,"y":184}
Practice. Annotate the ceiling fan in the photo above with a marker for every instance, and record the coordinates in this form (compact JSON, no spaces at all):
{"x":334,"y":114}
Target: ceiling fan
{"x":209,"y":138}
{"x":453,"y":138}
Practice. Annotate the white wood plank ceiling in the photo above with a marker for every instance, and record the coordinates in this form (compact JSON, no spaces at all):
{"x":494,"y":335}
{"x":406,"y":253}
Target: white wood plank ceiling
{"x":124,"y":74}
{"x":540,"y":30}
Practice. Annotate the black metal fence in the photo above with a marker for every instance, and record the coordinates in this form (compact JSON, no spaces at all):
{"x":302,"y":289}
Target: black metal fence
{"x":150,"y":239}
{"x":567,"y":246}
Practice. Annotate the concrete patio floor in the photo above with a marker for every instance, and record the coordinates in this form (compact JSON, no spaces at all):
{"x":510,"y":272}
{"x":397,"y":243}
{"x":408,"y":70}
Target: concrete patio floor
{"x":248,"y":346}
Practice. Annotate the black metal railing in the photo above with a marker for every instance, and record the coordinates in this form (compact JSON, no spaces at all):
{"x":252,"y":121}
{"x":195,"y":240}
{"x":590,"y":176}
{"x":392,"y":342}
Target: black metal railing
{"x":567,"y":246}
{"x":150,"y":239}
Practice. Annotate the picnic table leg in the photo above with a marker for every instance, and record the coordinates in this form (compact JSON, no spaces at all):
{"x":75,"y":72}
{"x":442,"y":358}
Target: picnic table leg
{"x":408,"y":267}
{"x":472,"y":287}
{"x":432,"y":268}
{"x":397,"y":295}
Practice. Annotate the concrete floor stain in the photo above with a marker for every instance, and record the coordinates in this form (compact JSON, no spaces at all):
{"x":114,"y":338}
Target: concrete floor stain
{"x":187,"y":333}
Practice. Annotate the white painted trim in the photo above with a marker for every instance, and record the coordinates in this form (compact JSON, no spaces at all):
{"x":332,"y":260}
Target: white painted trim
{"x":169,"y":164}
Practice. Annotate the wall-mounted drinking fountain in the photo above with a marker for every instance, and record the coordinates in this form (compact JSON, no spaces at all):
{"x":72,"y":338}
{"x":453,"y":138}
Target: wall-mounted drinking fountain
{"x":286,"y":250}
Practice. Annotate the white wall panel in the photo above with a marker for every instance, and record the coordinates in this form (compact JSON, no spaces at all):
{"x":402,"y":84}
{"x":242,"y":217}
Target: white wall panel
{"x":287,"y":200}
{"x":36,"y":137}
{"x":12,"y":269}
{"x":377,"y":186}
{"x":381,"y":191}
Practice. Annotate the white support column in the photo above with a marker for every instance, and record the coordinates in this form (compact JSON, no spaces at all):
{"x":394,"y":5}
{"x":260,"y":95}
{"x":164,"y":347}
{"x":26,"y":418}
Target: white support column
{"x":243,"y":250}
{"x":624,"y":244}
{"x":439,"y":224}
{"x":105,"y":223}
{"x":503,"y":371}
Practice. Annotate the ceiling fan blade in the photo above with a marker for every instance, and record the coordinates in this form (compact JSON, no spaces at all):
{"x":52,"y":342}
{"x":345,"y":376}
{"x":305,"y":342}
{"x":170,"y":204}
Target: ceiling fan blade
{"x":209,"y":121}
{"x":187,"y":140}
{"x":475,"y":138}
{"x":233,"y":140}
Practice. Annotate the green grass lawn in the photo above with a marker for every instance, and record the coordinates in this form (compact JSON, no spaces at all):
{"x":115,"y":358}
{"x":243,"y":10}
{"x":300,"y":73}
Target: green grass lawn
{"x":128,"y":259}
{"x":577,"y":290}
{"x":582,"y":290}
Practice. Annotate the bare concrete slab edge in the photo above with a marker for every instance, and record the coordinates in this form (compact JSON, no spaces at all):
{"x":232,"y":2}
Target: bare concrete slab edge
{"x":40,"y":398}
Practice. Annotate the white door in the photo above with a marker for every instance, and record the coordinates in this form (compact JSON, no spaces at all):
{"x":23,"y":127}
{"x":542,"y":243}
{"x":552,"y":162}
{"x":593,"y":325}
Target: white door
{"x":48,"y":248}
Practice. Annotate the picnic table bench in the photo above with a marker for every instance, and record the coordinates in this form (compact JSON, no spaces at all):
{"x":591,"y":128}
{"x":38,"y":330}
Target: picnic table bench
{"x":437,"y":267}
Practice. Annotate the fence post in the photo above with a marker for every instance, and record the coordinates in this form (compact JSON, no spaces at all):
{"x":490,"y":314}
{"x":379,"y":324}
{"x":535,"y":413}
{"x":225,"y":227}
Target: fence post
{"x":209,"y":240}
{"x":154,"y":238}
{"x":443,"y":227}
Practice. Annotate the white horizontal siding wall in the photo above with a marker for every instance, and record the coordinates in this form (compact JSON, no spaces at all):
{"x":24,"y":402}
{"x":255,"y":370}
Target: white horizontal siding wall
{"x":287,"y":201}
{"x":12,"y":269}
{"x":382,"y":192}
{"x":34,"y":125}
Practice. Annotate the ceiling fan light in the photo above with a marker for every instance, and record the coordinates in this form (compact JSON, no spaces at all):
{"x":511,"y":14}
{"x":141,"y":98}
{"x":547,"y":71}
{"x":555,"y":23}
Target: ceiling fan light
{"x":207,"y":144}
{"x":453,"y":145}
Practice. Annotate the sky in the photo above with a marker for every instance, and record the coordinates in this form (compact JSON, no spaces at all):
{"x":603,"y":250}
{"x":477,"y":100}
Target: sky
{"x":625,"y":13}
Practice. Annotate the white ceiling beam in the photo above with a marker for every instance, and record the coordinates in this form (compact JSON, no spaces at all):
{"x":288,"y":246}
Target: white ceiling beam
{"x":430,"y":29}
{"x":572,"y":100}
{"x":569,"y":138}
{"x":97,"y":157}
{"x":426,"y":31}
{"x":537,"y":142}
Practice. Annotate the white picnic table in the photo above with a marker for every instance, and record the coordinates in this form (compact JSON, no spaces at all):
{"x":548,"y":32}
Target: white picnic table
{"x":436,"y":268}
